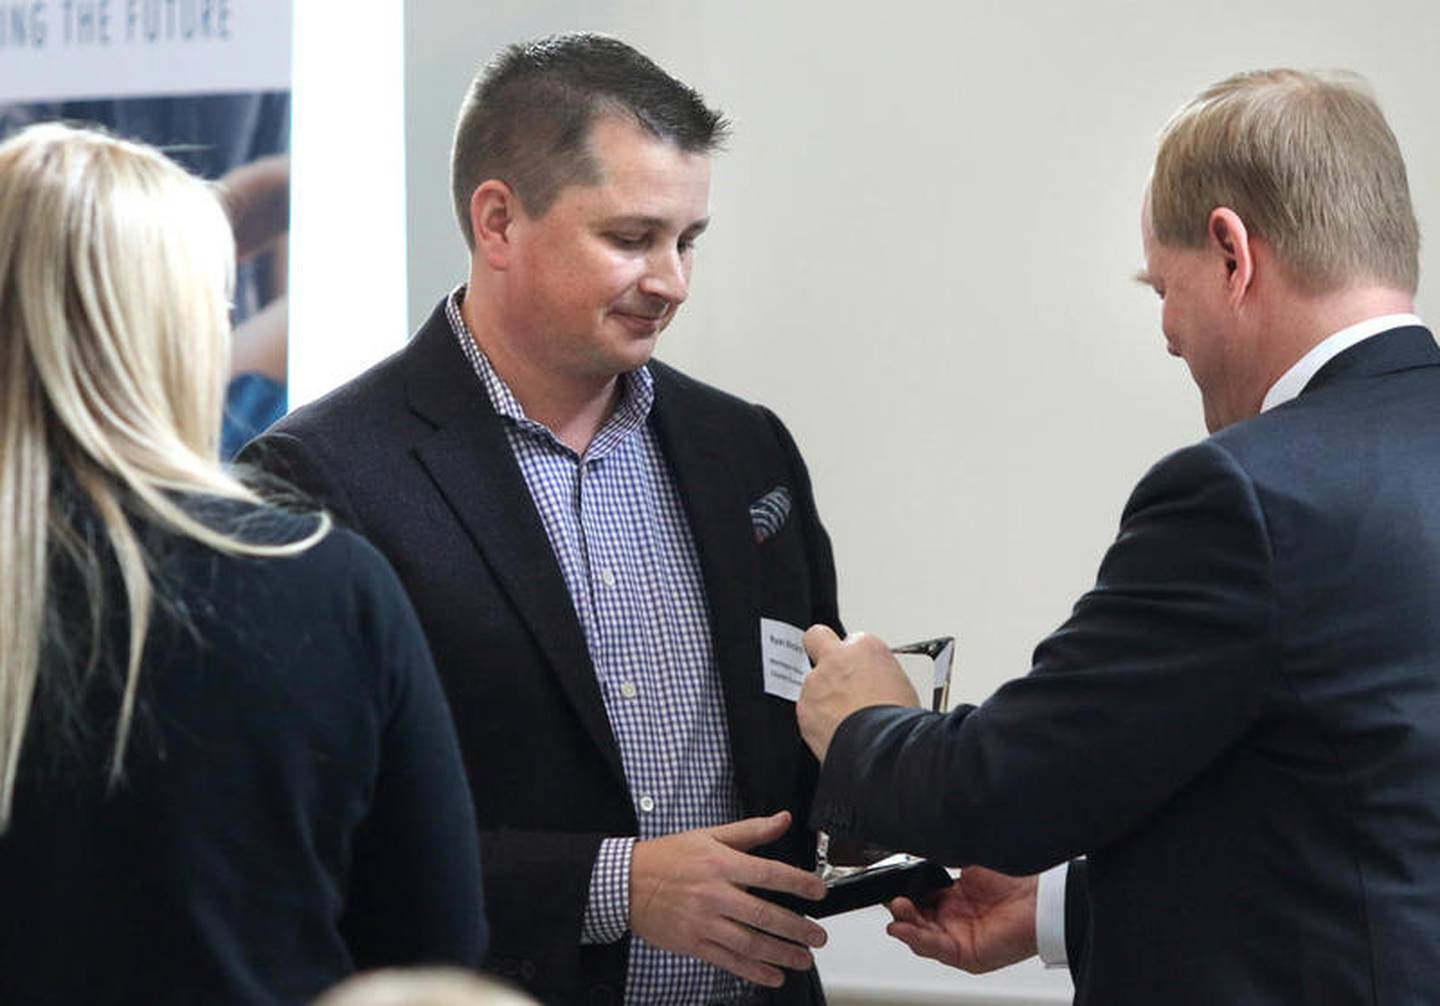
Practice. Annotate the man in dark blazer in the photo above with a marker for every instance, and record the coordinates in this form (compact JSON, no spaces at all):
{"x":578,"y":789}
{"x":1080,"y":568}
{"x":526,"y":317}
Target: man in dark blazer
{"x":1240,"y":724}
{"x":591,"y":539}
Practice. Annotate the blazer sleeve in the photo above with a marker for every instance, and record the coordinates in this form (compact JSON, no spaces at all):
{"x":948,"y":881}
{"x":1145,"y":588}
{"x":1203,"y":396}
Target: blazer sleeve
{"x":415,"y":893}
{"x":1162,"y":665}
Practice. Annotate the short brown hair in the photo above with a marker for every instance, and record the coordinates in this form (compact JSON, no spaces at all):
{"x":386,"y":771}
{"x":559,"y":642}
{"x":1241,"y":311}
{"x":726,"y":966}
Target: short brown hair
{"x":1307,"y":161}
{"x":527,"y":117}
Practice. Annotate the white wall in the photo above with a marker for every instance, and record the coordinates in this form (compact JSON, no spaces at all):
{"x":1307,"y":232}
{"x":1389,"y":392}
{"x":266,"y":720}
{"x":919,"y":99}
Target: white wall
{"x":924,"y":232}
{"x":347,"y":193}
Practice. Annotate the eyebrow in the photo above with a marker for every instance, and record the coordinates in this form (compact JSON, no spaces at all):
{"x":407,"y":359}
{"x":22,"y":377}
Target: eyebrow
{"x":655,"y":223}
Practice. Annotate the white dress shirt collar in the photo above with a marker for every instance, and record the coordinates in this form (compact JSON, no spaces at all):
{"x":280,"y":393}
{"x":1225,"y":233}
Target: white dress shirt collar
{"x":1293,"y":381}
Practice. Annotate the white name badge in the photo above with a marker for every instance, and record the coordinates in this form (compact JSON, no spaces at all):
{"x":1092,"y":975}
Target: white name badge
{"x":783,"y":658}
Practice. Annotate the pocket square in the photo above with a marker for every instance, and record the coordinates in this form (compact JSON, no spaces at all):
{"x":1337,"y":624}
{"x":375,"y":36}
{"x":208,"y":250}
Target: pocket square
{"x":769,"y":513}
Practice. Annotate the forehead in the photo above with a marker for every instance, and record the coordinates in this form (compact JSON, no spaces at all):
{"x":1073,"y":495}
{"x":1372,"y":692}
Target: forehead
{"x":641,"y":174}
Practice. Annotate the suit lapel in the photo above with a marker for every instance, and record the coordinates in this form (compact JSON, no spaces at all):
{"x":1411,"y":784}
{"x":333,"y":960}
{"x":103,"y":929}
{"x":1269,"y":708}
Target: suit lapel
{"x":470,"y":461}
{"x":719,"y":518}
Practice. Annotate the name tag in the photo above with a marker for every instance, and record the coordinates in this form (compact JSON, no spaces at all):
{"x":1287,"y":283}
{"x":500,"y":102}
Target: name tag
{"x":783,"y":658}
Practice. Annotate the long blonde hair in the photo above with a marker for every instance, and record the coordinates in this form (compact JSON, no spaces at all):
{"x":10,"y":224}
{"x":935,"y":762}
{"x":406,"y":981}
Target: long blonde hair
{"x":115,"y":272}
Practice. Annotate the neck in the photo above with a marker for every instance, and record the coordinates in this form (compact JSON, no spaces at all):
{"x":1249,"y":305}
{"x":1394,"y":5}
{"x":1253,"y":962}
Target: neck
{"x":1302,"y":323}
{"x":572,"y":408}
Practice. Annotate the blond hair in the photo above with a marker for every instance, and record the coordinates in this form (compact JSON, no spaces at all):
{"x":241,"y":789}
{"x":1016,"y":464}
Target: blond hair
{"x":115,"y":271}
{"x":422,"y":987}
{"x":1308,"y":163}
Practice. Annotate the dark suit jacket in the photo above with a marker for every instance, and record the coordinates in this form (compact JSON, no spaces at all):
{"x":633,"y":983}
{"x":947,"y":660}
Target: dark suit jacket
{"x":293,"y":806}
{"x":1240,"y":723}
{"x":412,"y":455}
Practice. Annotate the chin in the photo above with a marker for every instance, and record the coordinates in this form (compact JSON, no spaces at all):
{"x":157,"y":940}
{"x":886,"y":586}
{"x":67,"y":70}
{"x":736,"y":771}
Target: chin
{"x":637,"y":348}
{"x":623,"y":361}
{"x":638,"y":360}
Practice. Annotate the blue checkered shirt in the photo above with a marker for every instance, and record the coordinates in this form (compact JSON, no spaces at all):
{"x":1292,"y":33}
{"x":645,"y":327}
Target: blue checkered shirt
{"x":622,"y":541}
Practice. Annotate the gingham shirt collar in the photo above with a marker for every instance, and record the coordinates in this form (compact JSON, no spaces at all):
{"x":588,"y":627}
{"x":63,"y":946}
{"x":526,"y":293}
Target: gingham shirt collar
{"x":637,"y":394}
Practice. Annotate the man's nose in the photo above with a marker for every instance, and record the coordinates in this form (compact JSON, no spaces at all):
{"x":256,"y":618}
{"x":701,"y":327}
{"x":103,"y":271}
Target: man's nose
{"x":667,"y":275}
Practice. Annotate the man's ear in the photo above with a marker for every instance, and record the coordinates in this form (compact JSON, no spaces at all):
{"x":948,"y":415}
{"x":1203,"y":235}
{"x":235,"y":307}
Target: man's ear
{"x":1229,"y":239}
{"x":494,"y":209}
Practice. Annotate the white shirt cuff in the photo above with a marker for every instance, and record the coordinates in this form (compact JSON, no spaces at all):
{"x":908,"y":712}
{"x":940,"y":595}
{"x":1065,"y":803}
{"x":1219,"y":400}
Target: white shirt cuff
{"x":607,"y":913}
{"x":1050,"y":917}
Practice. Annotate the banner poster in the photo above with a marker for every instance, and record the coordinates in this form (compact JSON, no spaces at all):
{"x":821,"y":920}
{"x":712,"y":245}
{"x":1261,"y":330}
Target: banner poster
{"x":208,"y":82}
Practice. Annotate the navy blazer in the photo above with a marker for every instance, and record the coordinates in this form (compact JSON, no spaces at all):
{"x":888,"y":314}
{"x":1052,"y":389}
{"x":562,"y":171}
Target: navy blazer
{"x":1240,"y":723}
{"x":413,"y":456}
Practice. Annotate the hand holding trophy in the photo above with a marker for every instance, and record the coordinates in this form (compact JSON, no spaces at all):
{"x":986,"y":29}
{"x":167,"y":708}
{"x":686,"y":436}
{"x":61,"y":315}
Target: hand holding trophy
{"x":858,"y":874}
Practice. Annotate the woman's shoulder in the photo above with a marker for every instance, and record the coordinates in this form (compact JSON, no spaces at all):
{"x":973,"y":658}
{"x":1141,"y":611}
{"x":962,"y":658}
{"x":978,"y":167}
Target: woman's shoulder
{"x":298,"y":583}
{"x":252,"y":523}
{"x":314,"y":556}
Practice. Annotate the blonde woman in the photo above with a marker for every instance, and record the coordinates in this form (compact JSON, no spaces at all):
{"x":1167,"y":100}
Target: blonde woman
{"x":227,"y":772}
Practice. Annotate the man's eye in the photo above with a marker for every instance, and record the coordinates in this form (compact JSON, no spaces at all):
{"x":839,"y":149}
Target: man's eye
{"x":628,"y":240}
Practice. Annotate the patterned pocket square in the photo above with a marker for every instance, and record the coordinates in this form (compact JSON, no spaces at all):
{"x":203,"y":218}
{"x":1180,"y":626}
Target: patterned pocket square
{"x":769,"y":513}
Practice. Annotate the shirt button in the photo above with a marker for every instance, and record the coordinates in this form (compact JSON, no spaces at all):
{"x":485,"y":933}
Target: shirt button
{"x":647,"y":804}
{"x":628,"y":690}
{"x":607,"y":577}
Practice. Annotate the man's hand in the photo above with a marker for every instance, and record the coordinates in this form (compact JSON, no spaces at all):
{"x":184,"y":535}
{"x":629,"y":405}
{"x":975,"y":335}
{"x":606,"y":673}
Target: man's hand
{"x":687,"y":895}
{"x":848,"y":675}
{"x":984,"y":921}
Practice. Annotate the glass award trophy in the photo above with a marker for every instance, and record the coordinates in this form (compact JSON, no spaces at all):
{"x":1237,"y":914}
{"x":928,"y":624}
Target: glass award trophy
{"x":859,"y":874}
